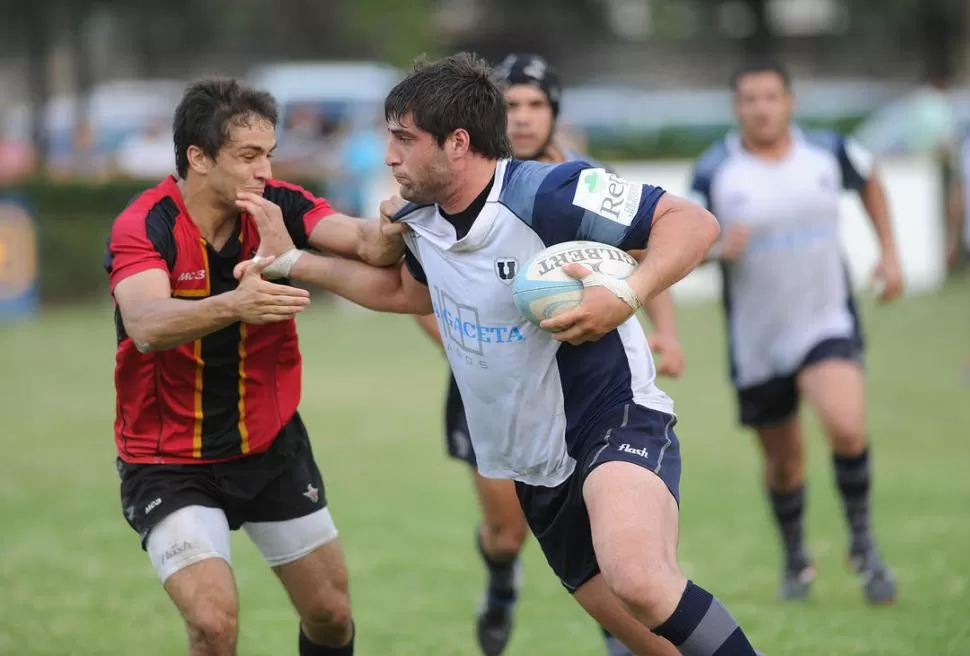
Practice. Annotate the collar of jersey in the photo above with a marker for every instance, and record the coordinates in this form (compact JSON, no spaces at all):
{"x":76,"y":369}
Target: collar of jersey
{"x":485,"y":220}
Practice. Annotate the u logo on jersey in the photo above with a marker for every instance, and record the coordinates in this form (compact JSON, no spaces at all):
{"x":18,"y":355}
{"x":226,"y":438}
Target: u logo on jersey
{"x":506,"y":268}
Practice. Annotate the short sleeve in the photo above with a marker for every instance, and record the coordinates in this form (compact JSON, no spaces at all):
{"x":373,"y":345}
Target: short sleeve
{"x":575,"y":201}
{"x":411,"y":259}
{"x":414,"y":267}
{"x":702,"y":175}
{"x":855,"y":161}
{"x":140,"y":240}
{"x":302,"y":211}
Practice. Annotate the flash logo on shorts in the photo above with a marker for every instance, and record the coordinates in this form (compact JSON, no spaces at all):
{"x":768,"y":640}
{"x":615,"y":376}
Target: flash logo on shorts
{"x":153,"y":505}
{"x":175,"y":550}
{"x":626,"y":448}
{"x":312,"y":493}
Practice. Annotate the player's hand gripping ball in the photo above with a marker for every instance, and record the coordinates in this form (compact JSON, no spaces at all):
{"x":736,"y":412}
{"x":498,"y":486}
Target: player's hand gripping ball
{"x":541,"y":289}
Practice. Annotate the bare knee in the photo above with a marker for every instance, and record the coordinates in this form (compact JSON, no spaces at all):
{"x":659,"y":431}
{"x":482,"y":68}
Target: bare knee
{"x":651,"y":591}
{"x":504,"y":537}
{"x":784,"y":466}
{"x":847,"y":436}
{"x":784,"y":471}
{"x":213,"y":626}
{"x":327,"y":620}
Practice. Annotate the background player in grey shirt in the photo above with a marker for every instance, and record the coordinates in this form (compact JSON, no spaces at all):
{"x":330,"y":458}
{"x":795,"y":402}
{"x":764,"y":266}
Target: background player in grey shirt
{"x":793,"y":328}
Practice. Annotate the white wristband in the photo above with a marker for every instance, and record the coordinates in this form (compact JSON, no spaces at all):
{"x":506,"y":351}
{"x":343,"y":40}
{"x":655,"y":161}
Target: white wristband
{"x":281,"y":266}
{"x":620,"y":288}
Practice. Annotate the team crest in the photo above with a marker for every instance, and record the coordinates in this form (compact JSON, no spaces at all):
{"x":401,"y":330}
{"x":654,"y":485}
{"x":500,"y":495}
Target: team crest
{"x":506,"y":268}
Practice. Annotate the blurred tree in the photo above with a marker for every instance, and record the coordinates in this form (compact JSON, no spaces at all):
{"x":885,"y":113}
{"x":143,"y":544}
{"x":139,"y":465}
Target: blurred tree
{"x":761,"y":42}
{"x":36,"y":19}
{"x":390,"y":30}
{"x":74,"y":22}
{"x":550,"y":27}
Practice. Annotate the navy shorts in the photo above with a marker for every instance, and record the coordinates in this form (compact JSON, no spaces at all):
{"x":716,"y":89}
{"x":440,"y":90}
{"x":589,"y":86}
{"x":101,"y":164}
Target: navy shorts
{"x":557,"y":516}
{"x":456,"y":427}
{"x":777,"y":399}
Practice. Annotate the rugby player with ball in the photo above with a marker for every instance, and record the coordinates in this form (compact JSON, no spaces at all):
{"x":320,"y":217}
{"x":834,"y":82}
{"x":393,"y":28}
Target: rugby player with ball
{"x":568,"y":408}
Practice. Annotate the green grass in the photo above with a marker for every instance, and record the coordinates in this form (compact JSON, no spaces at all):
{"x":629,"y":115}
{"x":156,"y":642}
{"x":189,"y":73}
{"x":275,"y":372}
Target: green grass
{"x":73,"y":579}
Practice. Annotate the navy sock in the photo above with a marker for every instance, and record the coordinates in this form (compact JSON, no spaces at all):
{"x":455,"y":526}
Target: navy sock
{"x":310,"y":648}
{"x":501,"y":575}
{"x":852,"y":477}
{"x":702,"y":626}
{"x":789,"y":511}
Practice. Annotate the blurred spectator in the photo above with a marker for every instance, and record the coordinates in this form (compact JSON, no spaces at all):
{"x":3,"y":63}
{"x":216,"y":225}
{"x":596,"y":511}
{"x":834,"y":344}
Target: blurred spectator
{"x":148,"y":155}
{"x":358,"y":164}
{"x":79,"y":156}
{"x":16,"y":159}
{"x":301,"y":144}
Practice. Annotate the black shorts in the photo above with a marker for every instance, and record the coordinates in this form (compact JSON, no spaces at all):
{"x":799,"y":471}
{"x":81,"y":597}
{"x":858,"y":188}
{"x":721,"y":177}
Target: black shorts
{"x":557,"y":516}
{"x":777,"y":399}
{"x":458,"y":442}
{"x":278,"y":484}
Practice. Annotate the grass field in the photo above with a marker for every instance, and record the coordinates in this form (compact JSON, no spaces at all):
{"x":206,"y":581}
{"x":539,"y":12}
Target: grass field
{"x":73,"y":579}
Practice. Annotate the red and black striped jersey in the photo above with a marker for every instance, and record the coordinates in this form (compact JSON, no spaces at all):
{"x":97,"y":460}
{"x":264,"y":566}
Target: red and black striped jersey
{"x":228,"y":394}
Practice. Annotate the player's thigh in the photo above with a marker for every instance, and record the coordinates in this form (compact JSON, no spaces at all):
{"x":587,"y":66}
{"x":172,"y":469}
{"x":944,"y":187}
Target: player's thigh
{"x":177,"y":510}
{"x":286,"y":515}
{"x":557,"y":517}
{"x":291,"y":525}
{"x":598,"y":600}
{"x":835,"y":388}
{"x":631,"y":492}
{"x":190,"y":550}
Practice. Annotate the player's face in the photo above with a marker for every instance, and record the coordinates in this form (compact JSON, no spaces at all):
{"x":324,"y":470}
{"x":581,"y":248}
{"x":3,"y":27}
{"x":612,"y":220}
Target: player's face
{"x":419,"y":164}
{"x":764,"y":106}
{"x":243,"y":163}
{"x":530,"y":120}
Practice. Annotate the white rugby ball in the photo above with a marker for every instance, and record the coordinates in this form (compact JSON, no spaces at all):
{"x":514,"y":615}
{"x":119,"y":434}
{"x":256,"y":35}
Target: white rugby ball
{"x":542,"y":290}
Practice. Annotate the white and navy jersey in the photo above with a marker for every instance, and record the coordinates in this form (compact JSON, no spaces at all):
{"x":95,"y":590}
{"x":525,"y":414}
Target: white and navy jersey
{"x":530,"y":400}
{"x":790,"y":288}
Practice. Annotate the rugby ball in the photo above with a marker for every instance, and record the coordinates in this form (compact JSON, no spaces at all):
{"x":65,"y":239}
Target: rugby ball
{"x":541,"y":288}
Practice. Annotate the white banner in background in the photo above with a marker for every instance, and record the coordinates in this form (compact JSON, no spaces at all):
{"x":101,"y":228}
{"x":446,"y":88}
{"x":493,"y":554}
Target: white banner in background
{"x":914,"y":189}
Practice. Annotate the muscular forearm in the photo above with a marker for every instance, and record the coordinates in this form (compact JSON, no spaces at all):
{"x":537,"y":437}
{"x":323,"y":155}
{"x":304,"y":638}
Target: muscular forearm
{"x":679,"y":242}
{"x":877,"y":207}
{"x":376,"y":288}
{"x":662,"y":314}
{"x":162,"y":324}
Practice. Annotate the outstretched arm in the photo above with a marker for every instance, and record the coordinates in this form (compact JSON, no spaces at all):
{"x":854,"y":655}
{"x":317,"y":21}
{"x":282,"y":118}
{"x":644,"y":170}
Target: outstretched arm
{"x":385,"y":289}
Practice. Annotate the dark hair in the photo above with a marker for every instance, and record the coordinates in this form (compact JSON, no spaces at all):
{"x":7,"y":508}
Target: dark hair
{"x":208,"y":108}
{"x":761,"y":66}
{"x":455,"y":93}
